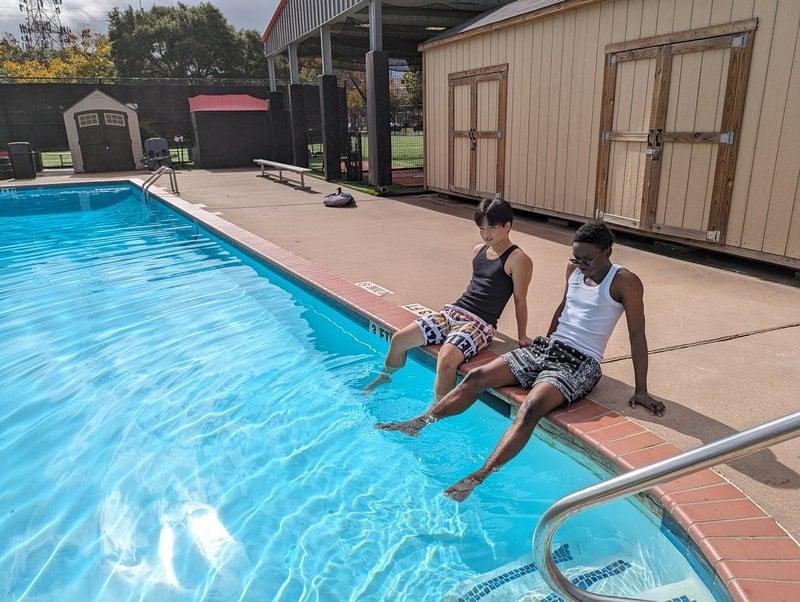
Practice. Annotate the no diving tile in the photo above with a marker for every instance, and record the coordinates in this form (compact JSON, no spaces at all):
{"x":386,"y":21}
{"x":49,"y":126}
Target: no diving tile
{"x":375,"y":289}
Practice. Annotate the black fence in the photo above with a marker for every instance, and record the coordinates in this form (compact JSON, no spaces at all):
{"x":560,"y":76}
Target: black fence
{"x":33,"y":112}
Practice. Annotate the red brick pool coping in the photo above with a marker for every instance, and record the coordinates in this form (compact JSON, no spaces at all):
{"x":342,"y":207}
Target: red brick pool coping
{"x":753,"y":556}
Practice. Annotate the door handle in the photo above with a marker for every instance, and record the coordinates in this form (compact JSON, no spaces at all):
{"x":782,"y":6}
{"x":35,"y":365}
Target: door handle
{"x":657,"y":150}
{"x":654,"y":151}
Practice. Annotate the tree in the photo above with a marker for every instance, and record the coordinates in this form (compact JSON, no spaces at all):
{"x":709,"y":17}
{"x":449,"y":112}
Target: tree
{"x":85,"y":55}
{"x":254,"y":64}
{"x":412,"y":81}
{"x":181,"y":41}
{"x":310,"y":68}
{"x":356,"y":84}
{"x":10,"y":50}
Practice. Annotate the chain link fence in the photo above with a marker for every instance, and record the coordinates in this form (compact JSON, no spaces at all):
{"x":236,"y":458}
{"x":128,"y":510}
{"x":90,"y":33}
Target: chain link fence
{"x":405,"y":124}
{"x":405,"y":120}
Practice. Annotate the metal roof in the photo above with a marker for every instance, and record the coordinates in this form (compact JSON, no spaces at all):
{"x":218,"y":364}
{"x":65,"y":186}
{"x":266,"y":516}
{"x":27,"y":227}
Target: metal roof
{"x":226,"y":102}
{"x":406,"y":24}
{"x":503,"y":13}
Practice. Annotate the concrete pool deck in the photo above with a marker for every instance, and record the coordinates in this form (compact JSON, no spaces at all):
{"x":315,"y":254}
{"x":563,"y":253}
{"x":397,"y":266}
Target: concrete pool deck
{"x":724,"y":337}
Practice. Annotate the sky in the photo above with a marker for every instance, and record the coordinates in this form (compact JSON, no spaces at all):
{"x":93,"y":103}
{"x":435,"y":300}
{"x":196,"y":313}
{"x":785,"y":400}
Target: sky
{"x":77,"y":14}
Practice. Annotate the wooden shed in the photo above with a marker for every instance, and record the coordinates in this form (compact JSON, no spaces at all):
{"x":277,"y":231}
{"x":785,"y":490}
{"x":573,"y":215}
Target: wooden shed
{"x":103,"y":134}
{"x":678,"y":119}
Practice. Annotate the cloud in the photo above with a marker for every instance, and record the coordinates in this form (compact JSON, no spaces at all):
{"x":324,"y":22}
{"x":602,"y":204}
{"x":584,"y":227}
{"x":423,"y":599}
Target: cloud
{"x":241,"y":14}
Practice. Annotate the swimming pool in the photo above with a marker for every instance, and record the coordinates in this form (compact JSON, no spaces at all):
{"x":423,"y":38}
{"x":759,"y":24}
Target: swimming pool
{"x":182,"y":423}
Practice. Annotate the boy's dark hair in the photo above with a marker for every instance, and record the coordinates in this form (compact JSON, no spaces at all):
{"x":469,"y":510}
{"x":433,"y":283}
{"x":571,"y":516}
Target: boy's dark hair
{"x":595,"y":233}
{"x":496,"y":211}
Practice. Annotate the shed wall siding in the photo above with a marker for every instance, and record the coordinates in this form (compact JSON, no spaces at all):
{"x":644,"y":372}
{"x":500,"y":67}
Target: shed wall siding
{"x":555,"y":82}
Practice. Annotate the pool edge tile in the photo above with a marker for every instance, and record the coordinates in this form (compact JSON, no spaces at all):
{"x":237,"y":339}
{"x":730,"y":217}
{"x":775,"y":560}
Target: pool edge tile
{"x":756,"y":570}
{"x":762,"y":526}
{"x":751,"y":549}
{"x":719,"y":492}
{"x":749,"y":590}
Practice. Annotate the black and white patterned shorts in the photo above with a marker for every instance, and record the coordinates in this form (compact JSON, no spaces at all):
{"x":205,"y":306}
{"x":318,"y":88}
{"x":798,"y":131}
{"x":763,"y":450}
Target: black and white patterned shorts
{"x":573,"y":373}
{"x":463,"y":329}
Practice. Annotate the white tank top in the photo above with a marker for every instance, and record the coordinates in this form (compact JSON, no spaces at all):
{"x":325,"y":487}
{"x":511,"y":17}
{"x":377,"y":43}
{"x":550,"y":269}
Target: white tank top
{"x":590,"y":314}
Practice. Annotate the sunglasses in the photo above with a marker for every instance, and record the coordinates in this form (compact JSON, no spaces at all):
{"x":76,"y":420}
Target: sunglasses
{"x":583,"y":262}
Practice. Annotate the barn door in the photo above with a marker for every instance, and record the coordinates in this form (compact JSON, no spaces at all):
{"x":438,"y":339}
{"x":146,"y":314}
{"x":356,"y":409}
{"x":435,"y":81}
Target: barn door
{"x":477,"y":121}
{"x":672,"y":111}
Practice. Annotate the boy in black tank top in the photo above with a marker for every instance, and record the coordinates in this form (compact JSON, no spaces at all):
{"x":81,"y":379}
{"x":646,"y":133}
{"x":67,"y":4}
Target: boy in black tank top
{"x":500,"y":271}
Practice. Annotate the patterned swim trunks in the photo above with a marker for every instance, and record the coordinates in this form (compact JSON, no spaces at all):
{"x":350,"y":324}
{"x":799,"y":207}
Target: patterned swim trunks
{"x":573,"y":373}
{"x":458,"y":327}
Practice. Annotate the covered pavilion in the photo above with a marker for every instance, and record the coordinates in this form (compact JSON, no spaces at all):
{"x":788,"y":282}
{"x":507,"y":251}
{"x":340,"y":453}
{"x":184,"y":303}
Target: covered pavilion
{"x":346,"y":33}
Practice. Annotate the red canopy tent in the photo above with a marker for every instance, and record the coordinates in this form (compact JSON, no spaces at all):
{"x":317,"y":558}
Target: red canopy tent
{"x":227,"y":102}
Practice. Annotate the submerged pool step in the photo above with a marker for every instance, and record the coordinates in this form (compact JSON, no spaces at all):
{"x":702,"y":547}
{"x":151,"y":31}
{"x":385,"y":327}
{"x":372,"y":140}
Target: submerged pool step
{"x":520,"y":579}
{"x":505,"y":579}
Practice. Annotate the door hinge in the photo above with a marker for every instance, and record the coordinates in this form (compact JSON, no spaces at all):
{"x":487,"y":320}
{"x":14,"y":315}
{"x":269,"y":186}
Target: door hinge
{"x":713,"y":235}
{"x":605,"y":136}
{"x":726,"y":138}
{"x":598,"y":214}
{"x":612,"y":59}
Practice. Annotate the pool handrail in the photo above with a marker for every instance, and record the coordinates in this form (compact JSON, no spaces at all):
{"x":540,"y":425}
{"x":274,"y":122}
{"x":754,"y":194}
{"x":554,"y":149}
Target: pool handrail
{"x":173,"y":180}
{"x":739,"y":444}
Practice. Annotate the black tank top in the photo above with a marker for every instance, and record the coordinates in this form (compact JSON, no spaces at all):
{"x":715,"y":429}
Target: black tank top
{"x":490,"y":287}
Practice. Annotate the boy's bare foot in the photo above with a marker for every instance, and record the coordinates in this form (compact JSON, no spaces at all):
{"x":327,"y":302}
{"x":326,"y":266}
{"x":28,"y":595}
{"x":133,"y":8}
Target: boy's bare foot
{"x":461,"y":490}
{"x":649,"y":402}
{"x":384,"y":377}
{"x":409,"y":427}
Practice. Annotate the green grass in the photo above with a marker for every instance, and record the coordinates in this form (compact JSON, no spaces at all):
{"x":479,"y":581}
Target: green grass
{"x":394,"y":189}
{"x":56,"y":159}
{"x":407,"y":151}
{"x":59,"y":159}
{"x":180,"y":156}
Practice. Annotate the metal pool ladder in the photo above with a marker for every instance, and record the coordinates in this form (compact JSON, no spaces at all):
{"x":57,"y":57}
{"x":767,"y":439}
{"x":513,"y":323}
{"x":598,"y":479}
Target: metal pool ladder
{"x":722,"y":450}
{"x":173,"y":181}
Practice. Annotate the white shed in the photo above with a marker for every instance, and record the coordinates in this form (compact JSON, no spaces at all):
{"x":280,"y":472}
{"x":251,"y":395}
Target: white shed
{"x":103,"y":134}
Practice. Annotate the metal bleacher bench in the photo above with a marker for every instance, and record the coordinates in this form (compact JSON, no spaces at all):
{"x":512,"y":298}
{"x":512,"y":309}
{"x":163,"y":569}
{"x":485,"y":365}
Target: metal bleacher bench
{"x":281,"y":167}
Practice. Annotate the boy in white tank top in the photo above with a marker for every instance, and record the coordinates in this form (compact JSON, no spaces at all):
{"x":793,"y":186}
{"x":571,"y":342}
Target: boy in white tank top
{"x":563,"y":366}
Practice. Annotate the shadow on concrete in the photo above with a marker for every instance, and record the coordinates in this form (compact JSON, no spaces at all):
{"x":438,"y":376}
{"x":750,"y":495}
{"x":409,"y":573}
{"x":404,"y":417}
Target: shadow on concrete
{"x":762,"y":466}
{"x":560,"y":230}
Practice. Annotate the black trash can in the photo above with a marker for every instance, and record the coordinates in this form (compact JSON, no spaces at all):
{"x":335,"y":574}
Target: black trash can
{"x":22,"y":160}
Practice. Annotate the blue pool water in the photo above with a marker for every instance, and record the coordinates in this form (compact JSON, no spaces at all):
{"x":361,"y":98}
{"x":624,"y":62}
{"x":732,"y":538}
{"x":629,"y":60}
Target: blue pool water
{"x":179,"y":422}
